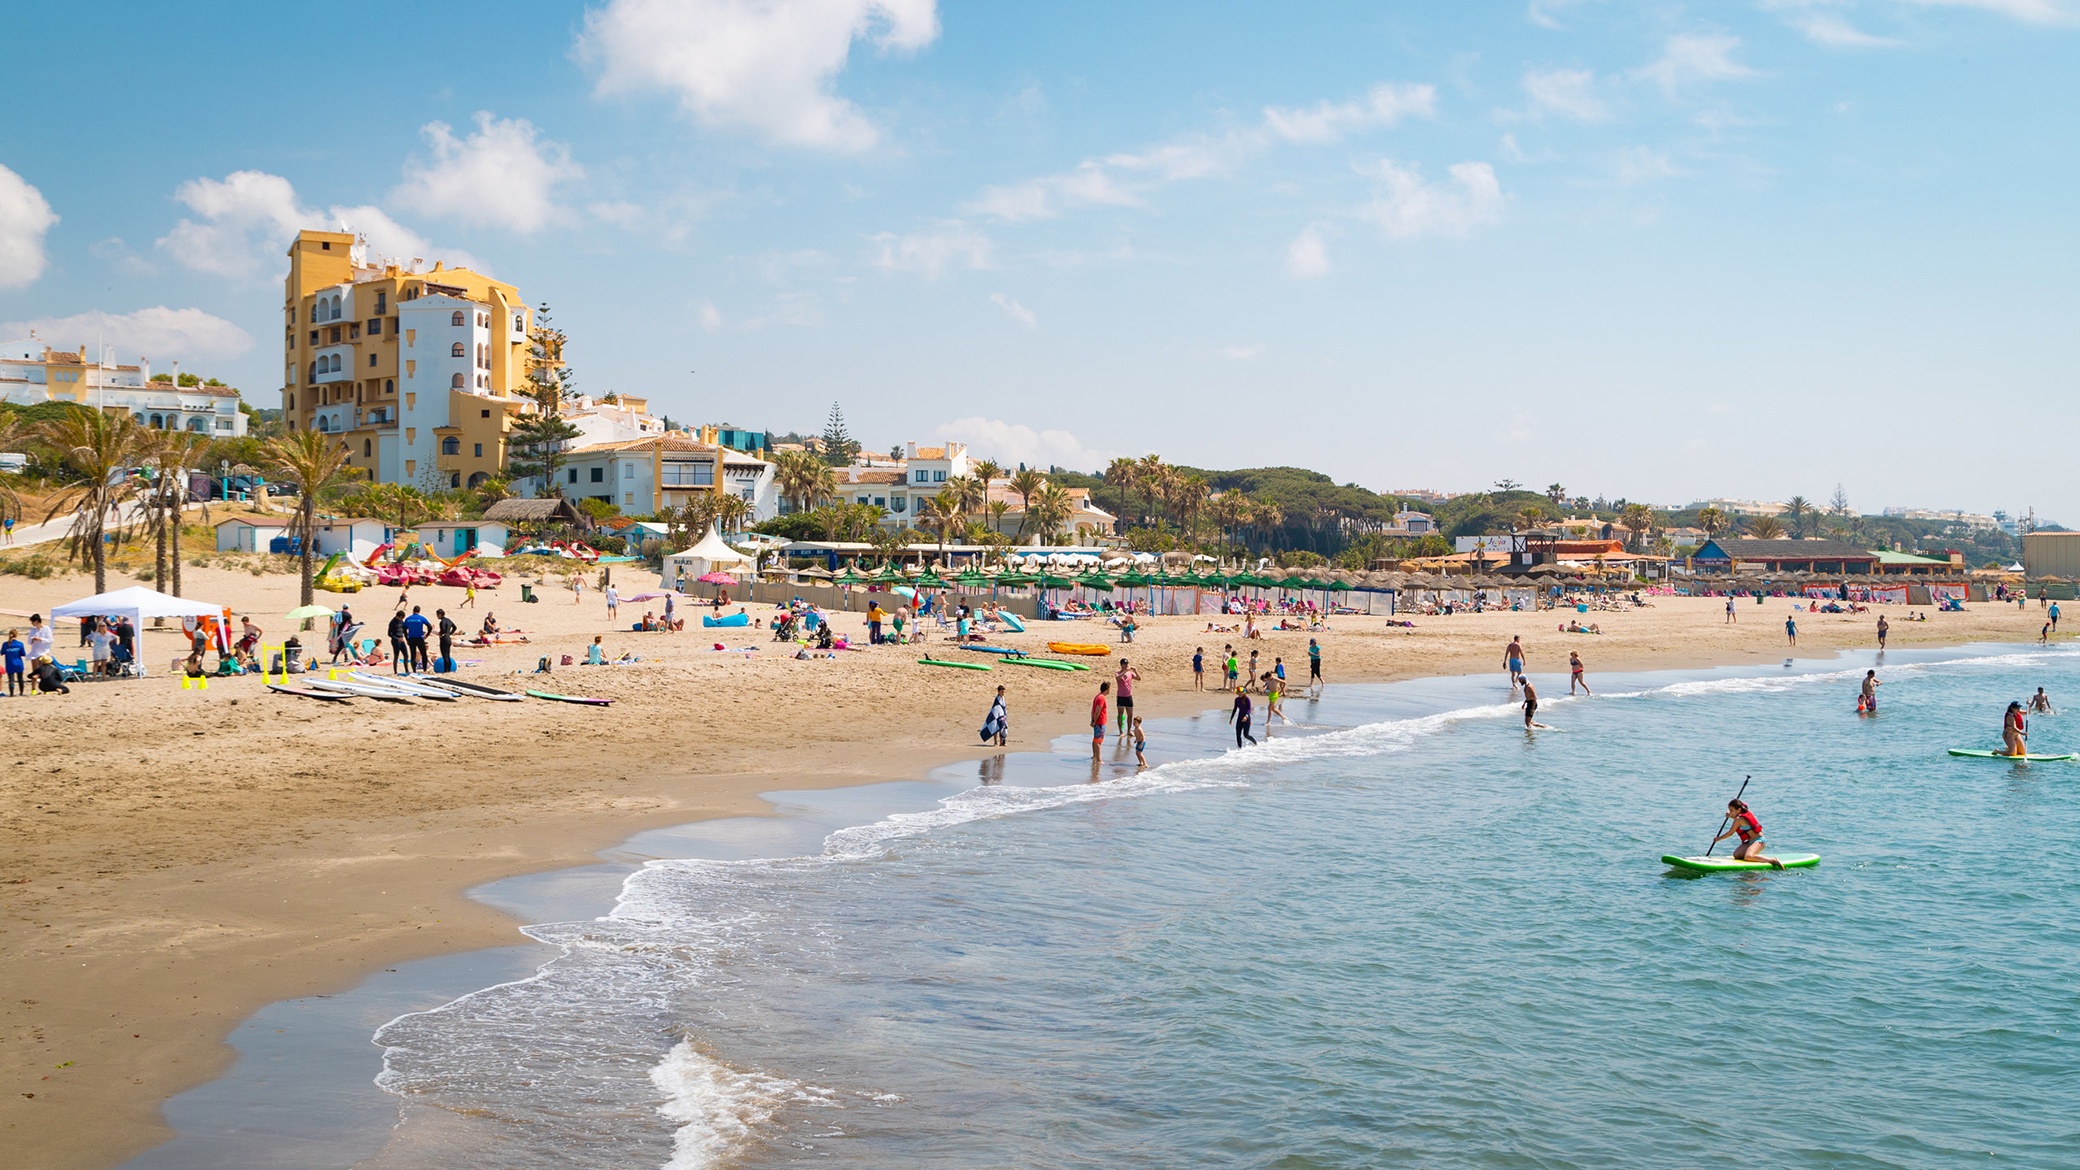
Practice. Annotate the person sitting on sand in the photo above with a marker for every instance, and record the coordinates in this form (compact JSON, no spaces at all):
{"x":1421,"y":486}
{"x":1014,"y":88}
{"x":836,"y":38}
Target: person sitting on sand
{"x":489,"y":629}
{"x":595,"y":654}
{"x":1750,"y":832}
{"x":48,"y":678}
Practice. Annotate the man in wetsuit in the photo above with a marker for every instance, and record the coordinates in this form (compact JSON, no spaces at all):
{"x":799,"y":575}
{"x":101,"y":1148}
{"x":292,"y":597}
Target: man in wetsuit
{"x":1239,"y":715}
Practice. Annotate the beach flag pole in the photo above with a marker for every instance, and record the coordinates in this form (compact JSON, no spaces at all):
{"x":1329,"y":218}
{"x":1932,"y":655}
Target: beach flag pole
{"x":1722,"y":820}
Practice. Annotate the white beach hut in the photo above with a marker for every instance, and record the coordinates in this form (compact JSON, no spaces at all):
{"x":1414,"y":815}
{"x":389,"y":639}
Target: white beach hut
{"x":138,"y":603}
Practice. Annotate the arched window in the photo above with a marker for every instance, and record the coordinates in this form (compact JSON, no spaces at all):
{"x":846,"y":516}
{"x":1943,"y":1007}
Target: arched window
{"x":456,"y":382}
{"x":454,"y":479}
{"x":477,"y":478}
{"x":368,"y":448}
{"x":314,"y":373}
{"x":198,"y":424}
{"x":451,"y":446}
{"x":158,"y":422}
{"x":140,"y":420}
{"x":389,"y":386}
{"x":455,"y":350}
{"x":457,"y":319}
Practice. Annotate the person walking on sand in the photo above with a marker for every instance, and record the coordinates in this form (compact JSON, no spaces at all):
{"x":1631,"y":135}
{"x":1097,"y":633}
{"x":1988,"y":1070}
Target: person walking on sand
{"x":1513,"y":661}
{"x":1239,"y":715}
{"x":1140,"y":744}
{"x":1228,"y":668}
{"x":1250,"y":680}
{"x":1884,"y":628}
{"x":1198,"y":668}
{"x":1123,"y":682}
{"x":1730,"y":618}
{"x":2054,"y":617}
{"x":469,"y":596}
{"x":613,"y":602}
{"x":997,"y":724}
{"x":1791,"y":629}
{"x":1574,"y":673}
{"x":1098,"y":719}
{"x":2044,"y":634}
{"x":1314,"y":663}
{"x":1749,"y":830}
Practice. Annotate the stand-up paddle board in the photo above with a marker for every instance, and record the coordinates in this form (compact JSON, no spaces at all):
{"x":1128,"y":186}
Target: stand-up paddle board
{"x":955,"y":665}
{"x":1729,"y":865}
{"x":300,"y":693}
{"x":473,"y":690}
{"x":554,"y":698}
{"x":1975,"y":754}
{"x":1045,"y":664}
{"x":386,"y":694}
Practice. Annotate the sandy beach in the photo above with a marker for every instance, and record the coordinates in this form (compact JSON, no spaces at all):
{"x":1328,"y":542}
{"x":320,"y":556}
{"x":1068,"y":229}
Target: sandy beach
{"x":174,"y":859}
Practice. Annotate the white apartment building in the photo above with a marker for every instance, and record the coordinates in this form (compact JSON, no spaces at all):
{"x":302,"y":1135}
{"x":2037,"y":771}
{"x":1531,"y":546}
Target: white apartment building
{"x":660,"y":473}
{"x":902,"y":486}
{"x":28,"y":377}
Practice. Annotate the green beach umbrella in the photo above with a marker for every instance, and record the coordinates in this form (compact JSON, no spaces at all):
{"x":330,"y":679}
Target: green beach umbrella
{"x":849,"y":577}
{"x":1050,"y":581}
{"x":928,"y":580}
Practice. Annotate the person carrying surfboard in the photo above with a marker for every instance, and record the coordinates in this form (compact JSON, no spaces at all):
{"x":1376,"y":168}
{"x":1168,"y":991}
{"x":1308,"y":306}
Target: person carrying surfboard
{"x":1749,"y":829}
{"x":2014,"y":731}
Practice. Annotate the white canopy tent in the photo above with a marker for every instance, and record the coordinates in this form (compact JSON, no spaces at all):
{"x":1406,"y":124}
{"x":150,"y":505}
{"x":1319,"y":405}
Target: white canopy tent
{"x":710,"y":555}
{"x":137,"y":603}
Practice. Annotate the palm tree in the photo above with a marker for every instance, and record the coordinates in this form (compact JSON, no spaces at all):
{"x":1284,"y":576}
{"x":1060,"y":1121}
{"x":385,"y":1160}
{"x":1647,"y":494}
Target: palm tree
{"x":1051,"y":509}
{"x":1529,"y":515}
{"x":100,"y":447}
{"x":988,"y":471}
{"x":1638,"y":519}
{"x":1153,"y":473}
{"x":996,"y":510}
{"x":1556,"y":495}
{"x":1124,"y":474}
{"x":944,"y":513}
{"x":1026,"y":482}
{"x":731,"y":511}
{"x":968,"y":493}
{"x":1191,"y":497}
{"x":406,"y":505}
{"x":1765,"y":528}
{"x":1712,"y":520}
{"x":1229,"y":510}
{"x":316,"y":466}
{"x":1264,"y":514}
{"x":169,"y":454}
{"x":492,"y":490}
{"x":803,"y":479}
{"x":10,"y":503}
{"x":1799,"y":511}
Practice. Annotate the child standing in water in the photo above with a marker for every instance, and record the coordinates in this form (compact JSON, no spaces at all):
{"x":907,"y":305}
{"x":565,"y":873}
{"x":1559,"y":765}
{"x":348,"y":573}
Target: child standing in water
{"x":1140,"y":744}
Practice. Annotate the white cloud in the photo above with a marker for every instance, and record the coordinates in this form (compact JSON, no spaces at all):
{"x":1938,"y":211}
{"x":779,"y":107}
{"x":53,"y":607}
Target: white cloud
{"x":711,"y":317}
{"x":1384,"y":105}
{"x":1015,"y":311}
{"x":1015,"y":443}
{"x":247,"y":219}
{"x":1568,"y":92}
{"x":1637,"y":164}
{"x":1124,"y":180}
{"x":117,"y":253}
{"x":951,"y":244}
{"x":763,"y":65}
{"x":2027,"y":11}
{"x":24,"y":217}
{"x":165,"y":335}
{"x":504,"y":175}
{"x":1824,"y":28}
{"x":1694,"y":57}
{"x":1307,"y":256}
{"x":1405,"y":206}
{"x":243,"y":224}
{"x":1241,"y":353}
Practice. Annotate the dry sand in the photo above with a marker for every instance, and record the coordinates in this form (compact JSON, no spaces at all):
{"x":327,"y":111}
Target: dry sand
{"x":171,"y":860}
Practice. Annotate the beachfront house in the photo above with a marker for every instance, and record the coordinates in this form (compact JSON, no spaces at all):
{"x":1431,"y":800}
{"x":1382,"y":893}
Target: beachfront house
{"x":357,"y":537}
{"x":661,"y":473}
{"x":452,"y":538}
{"x":1906,"y":564}
{"x":1727,"y":554}
{"x":901,"y":486}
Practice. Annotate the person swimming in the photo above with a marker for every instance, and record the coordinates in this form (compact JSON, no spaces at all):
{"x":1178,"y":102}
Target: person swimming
{"x":2014,"y":732}
{"x":1749,"y":830}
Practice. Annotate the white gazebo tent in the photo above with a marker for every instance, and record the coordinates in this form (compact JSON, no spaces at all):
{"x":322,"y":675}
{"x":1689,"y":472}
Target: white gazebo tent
{"x":709,"y":556}
{"x":137,"y":603}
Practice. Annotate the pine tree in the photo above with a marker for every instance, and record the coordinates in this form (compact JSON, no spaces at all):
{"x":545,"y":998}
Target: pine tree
{"x":839,"y":447}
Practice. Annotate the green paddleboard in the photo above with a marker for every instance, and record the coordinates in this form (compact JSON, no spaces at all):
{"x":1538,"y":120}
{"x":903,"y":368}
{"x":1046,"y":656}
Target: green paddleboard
{"x":1729,"y":865}
{"x":1975,"y":754}
{"x":1045,"y":664}
{"x":955,"y":665}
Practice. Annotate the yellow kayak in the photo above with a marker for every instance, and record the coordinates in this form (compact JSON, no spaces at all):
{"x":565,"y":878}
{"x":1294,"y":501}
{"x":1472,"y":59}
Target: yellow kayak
{"x":1078,"y":648}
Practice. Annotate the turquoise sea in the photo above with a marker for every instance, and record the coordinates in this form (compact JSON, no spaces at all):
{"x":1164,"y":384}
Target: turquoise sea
{"x":1402,"y":933}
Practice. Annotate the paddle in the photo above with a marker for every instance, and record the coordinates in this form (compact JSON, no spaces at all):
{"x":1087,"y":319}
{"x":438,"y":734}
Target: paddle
{"x":1722,"y":820}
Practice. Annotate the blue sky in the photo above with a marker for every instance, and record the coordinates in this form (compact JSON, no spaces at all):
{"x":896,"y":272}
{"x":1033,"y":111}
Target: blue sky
{"x":1659,"y":250}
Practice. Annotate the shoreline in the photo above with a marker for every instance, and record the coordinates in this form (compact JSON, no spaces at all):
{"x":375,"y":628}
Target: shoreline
{"x":193,"y":950}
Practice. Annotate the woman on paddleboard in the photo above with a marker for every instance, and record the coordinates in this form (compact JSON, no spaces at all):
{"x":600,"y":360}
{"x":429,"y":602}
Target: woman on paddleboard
{"x":2014,"y":732}
{"x":1750,"y":831}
